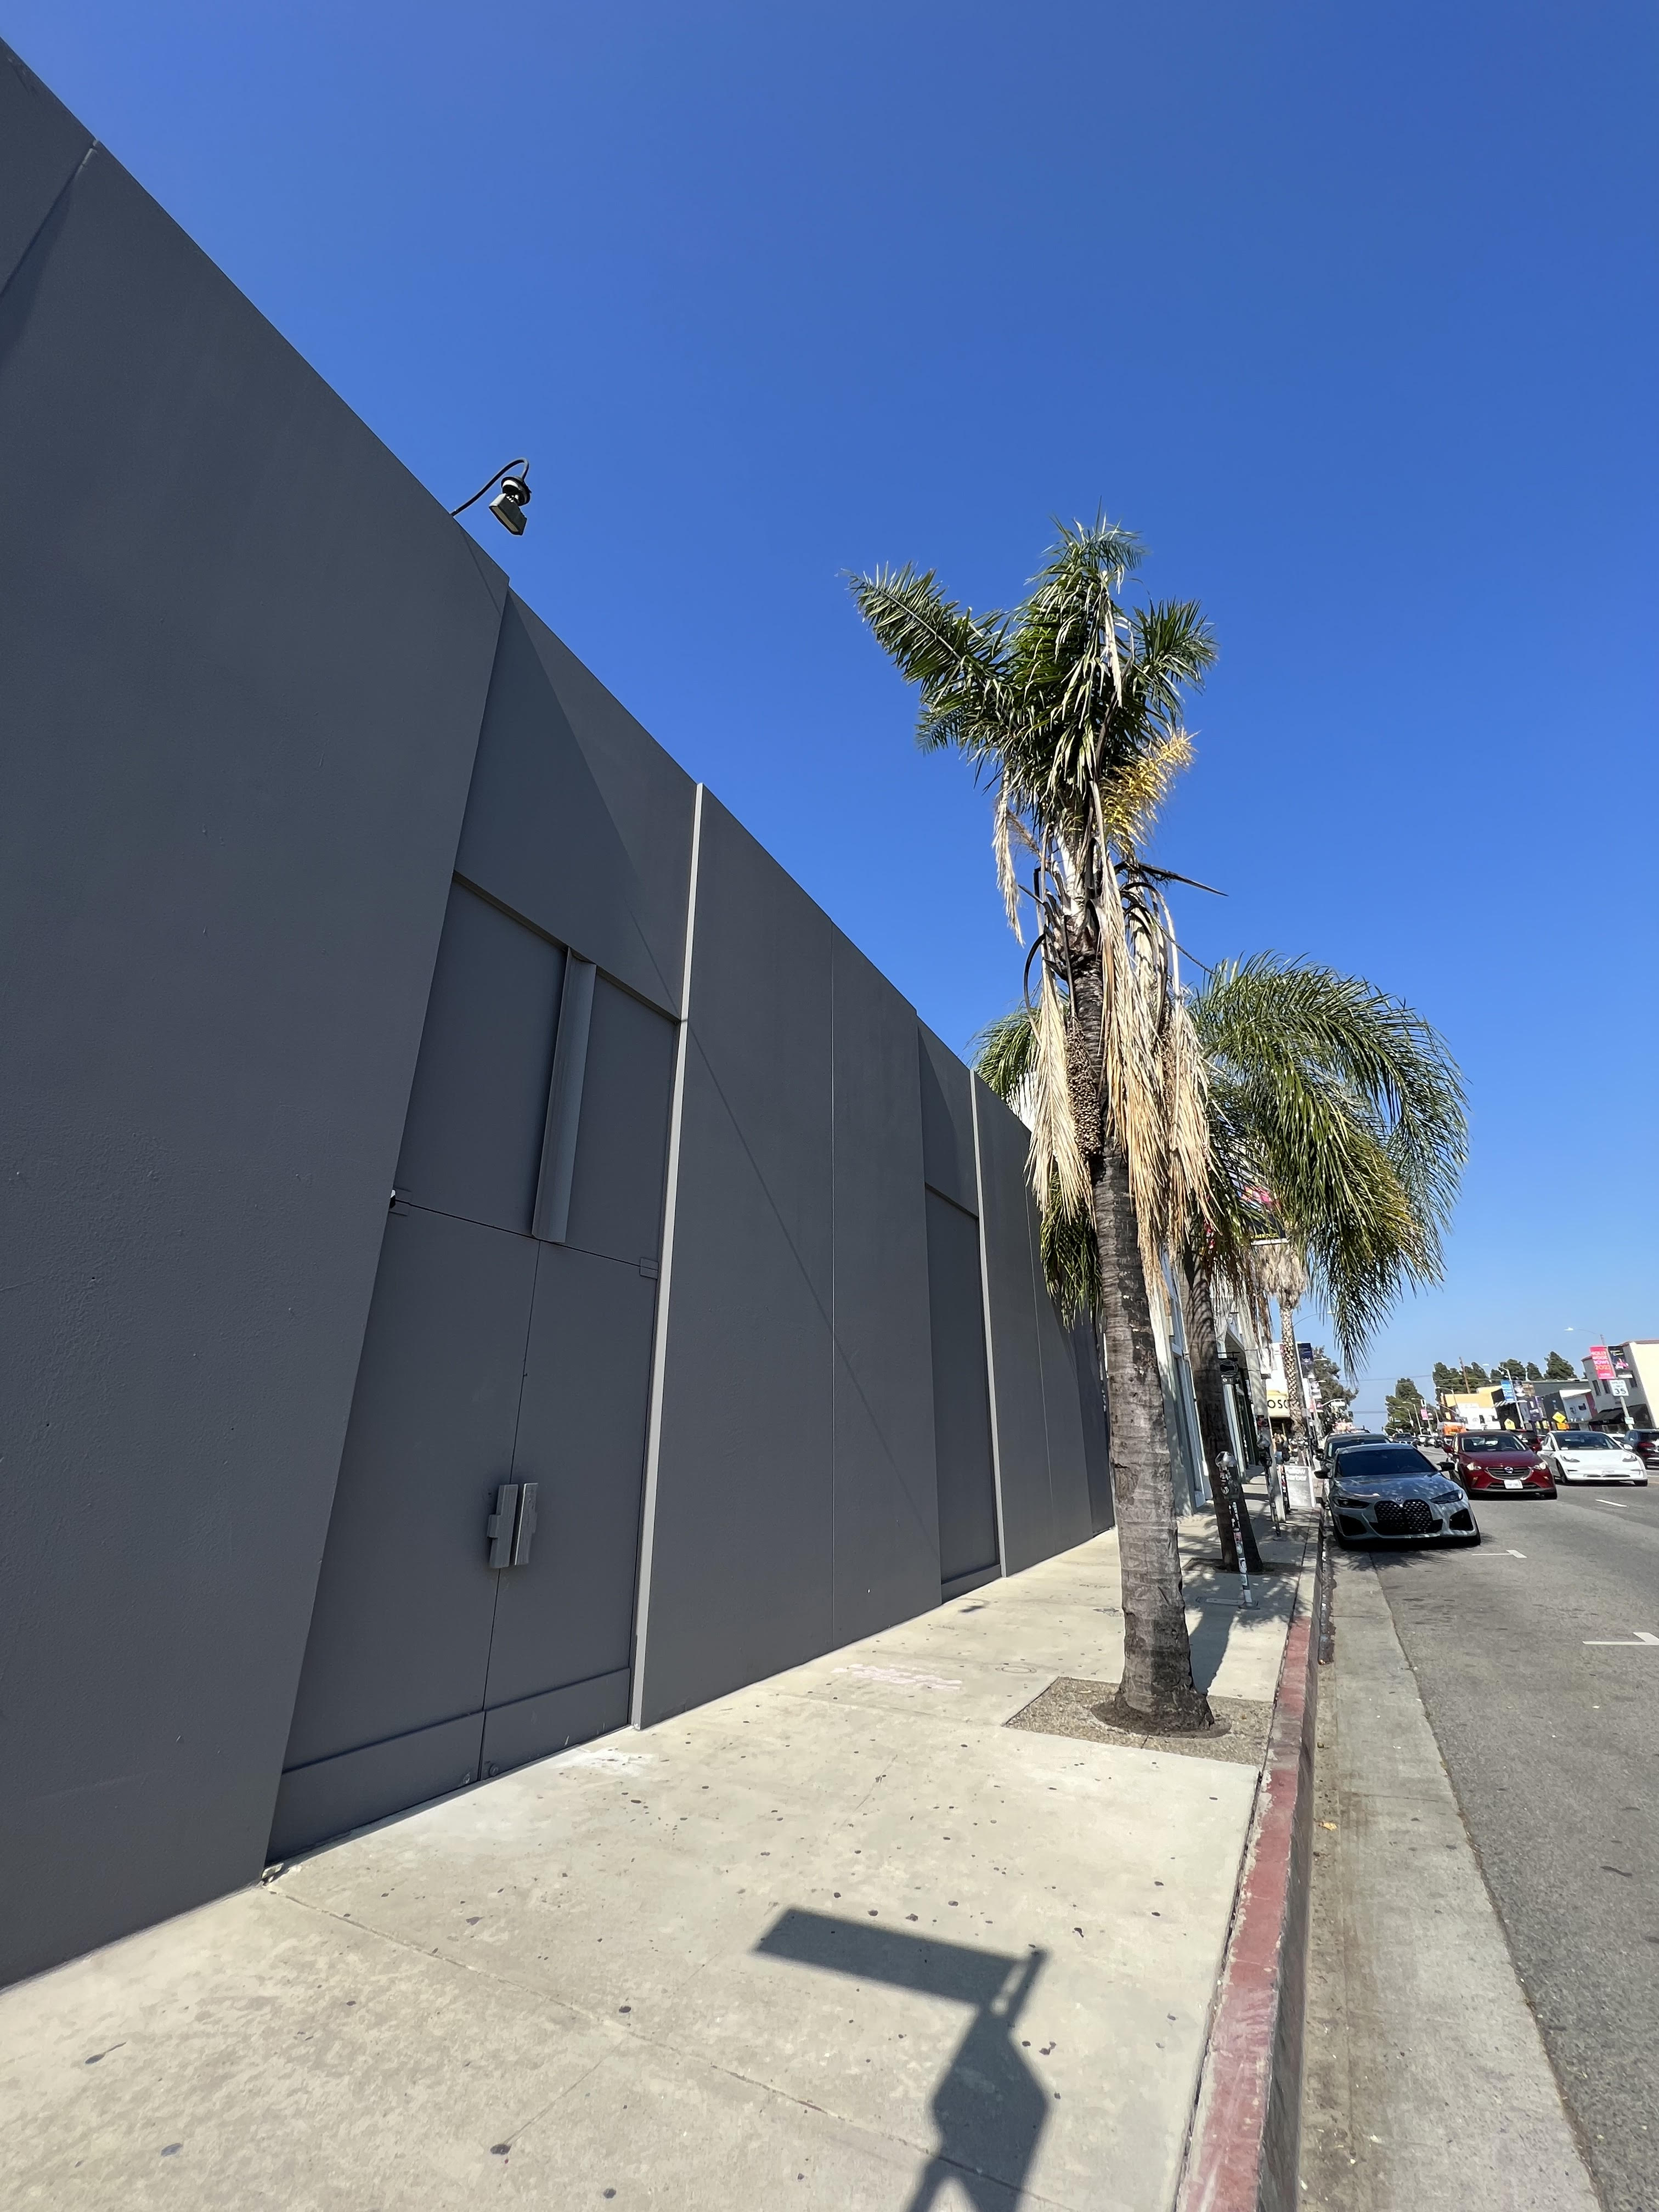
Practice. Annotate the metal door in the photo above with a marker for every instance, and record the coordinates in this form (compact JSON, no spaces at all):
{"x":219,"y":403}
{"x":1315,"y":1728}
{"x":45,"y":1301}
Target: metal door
{"x":504,"y":1379}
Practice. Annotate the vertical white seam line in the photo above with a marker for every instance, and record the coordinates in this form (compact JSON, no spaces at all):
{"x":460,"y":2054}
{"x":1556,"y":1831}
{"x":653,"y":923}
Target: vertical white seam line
{"x":664,"y":1279}
{"x":990,"y":1347}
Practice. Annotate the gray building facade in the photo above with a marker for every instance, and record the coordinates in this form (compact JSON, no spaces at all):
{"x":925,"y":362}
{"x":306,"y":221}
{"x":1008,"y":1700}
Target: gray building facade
{"x":488,"y":1260}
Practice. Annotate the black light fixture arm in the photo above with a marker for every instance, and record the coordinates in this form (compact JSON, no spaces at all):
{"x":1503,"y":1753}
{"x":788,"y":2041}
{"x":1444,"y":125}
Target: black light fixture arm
{"x":519,"y":469}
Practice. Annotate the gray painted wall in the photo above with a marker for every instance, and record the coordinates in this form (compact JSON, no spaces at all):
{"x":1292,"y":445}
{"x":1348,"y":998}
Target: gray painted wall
{"x":949,"y":1160}
{"x":1042,"y":1472}
{"x":578,"y":819}
{"x":741,"y":1496}
{"x":1091,"y":1413}
{"x":1017,"y":1410}
{"x":245,"y":658}
{"x":968,"y":1543}
{"x":272,"y":714}
{"x":886,"y":1543}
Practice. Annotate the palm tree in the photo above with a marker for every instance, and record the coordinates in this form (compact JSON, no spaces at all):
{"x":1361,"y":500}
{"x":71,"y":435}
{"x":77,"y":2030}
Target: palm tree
{"x":1004,"y":1054}
{"x":1284,"y":1278}
{"x":1070,"y":706}
{"x":1337,"y":1135}
{"x":1209,"y":1395}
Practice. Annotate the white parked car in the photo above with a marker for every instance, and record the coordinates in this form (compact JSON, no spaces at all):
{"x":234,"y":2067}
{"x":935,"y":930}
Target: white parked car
{"x":1589,"y":1455}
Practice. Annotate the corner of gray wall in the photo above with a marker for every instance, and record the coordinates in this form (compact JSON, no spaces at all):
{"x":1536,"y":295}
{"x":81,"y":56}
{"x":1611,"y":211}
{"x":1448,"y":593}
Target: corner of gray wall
{"x":245,"y":667}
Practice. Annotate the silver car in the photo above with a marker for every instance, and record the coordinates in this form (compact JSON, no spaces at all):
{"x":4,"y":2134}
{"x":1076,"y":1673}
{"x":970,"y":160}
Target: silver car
{"x":1389,"y":1494}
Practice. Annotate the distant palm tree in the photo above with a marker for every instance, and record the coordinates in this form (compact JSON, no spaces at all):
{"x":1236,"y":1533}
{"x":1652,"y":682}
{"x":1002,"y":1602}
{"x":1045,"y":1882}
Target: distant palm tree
{"x":1337,"y":1134}
{"x":1070,"y":706}
{"x":1283,"y":1277}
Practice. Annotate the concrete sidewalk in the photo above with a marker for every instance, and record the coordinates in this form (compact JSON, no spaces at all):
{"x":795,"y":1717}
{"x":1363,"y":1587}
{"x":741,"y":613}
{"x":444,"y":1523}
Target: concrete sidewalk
{"x":843,"y":1939}
{"x":1425,"y":2081}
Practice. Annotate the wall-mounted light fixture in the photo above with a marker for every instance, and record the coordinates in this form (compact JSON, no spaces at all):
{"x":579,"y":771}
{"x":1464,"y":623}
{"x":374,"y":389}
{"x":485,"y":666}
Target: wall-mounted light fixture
{"x":510,"y":501}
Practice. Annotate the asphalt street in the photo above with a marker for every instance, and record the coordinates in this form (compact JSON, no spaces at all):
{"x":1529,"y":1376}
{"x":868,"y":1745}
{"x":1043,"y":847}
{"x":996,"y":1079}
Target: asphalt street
{"x":1545,"y":1708}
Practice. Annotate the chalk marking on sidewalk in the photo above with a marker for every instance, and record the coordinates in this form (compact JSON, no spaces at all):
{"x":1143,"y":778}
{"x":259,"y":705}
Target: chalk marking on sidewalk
{"x":900,"y":1677}
{"x":1641,"y":1637}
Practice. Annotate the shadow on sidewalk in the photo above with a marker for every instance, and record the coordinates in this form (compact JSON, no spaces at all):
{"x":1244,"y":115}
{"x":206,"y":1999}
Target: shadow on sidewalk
{"x":989,"y":2108}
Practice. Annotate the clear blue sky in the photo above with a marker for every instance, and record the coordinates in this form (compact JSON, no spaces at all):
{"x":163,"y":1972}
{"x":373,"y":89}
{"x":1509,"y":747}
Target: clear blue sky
{"x":1350,"y":312}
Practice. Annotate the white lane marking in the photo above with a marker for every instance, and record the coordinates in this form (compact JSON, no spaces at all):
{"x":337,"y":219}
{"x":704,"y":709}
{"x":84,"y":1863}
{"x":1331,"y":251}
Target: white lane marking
{"x":1631,"y":1643}
{"x":1516,"y":1555}
{"x":1619,"y":1504}
{"x":899,"y":1675}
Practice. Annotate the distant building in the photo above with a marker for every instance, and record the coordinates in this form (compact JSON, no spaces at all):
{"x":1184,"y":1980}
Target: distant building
{"x":1635,"y":1366}
{"x":1472,"y":1409}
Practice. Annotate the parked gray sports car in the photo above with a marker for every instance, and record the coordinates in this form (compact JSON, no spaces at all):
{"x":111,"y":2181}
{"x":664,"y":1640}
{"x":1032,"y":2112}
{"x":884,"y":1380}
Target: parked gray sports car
{"x":1390,"y":1494}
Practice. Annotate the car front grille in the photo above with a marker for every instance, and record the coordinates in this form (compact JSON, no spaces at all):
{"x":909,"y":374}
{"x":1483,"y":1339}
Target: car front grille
{"x":1407,"y":1516}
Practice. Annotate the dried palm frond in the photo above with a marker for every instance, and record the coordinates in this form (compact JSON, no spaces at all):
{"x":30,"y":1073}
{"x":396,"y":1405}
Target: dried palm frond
{"x":1139,"y":789}
{"x":1003,"y":1053}
{"x":1281,"y":1270}
{"x":1186,"y":1100}
{"x":1054,"y":1154}
{"x":1009,"y":829}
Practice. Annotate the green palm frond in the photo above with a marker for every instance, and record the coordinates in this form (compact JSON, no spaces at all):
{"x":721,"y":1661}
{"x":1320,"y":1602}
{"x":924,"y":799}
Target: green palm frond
{"x":1004,"y":1051}
{"x":953,"y":657}
{"x":1347,"y":1106}
{"x":1071,"y":1262}
{"x":1060,"y":696}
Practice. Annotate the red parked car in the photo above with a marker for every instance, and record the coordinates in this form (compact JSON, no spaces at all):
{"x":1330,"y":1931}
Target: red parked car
{"x":1499,"y":1463}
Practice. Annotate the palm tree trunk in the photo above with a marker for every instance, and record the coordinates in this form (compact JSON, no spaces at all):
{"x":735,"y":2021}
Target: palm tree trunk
{"x":1158,"y":1693}
{"x":1295,"y":1401}
{"x":1209,"y":1391}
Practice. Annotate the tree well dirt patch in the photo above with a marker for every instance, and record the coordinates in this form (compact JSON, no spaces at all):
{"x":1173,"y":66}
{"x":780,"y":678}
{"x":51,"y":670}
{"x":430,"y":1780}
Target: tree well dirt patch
{"x":1066,"y":1708}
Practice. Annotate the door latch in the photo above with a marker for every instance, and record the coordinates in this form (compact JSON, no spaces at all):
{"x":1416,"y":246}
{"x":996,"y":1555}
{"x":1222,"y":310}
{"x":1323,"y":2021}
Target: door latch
{"x":511,"y":1526}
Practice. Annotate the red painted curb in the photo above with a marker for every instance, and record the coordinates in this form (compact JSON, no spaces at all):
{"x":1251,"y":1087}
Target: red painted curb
{"x":1242,"y":2154}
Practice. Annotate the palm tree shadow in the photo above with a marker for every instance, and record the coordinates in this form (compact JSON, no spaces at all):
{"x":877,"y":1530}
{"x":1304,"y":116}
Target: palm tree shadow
{"x":989,"y":2109}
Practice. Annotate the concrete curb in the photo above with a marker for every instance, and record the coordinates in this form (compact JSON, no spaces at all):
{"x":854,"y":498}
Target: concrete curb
{"x":1242,"y":2148}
